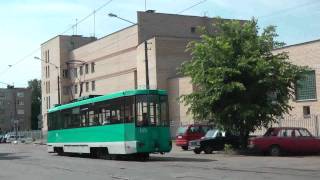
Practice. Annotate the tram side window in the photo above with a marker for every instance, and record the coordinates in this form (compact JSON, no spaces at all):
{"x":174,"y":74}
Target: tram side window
{"x":115,"y":109}
{"x":84,"y":116}
{"x":52,"y":121}
{"x":154,"y":110}
{"x":66,"y":118}
{"x":75,"y":118}
{"x":164,"y":119}
{"x":142,"y":113}
{"x":128,"y":110}
{"x":148,"y":110}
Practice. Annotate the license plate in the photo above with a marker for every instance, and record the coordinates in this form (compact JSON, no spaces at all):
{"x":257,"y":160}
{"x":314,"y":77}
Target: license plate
{"x":179,"y":137}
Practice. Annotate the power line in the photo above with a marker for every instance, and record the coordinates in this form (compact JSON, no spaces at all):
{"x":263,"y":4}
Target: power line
{"x":19,"y":61}
{"x":192,"y":6}
{"x":5,"y":83}
{"x":68,"y":29}
{"x":86,"y":17}
{"x":288,"y":9}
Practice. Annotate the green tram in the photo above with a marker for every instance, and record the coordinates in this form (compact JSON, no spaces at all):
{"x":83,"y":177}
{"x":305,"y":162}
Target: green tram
{"x":131,"y":122}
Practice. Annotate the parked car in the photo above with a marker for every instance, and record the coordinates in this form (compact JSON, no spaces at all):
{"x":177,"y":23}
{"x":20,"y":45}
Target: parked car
{"x":214,"y":140}
{"x":188,"y":133}
{"x":11,"y":138}
{"x":285,"y":139}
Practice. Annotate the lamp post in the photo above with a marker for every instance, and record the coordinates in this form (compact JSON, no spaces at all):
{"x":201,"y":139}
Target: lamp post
{"x":58,"y":76}
{"x":145,"y":48}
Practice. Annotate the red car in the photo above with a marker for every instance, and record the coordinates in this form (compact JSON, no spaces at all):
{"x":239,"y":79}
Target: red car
{"x":188,"y":133}
{"x":285,"y":139}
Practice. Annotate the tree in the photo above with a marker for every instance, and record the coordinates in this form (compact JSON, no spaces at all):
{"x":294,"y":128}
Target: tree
{"x":240,"y":84}
{"x":35,"y":86}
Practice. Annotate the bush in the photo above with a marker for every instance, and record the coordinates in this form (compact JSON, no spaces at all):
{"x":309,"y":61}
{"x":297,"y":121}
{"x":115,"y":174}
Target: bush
{"x":228,"y":149}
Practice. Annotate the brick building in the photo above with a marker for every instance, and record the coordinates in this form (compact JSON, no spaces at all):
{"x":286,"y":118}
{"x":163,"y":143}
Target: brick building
{"x":90,"y":66}
{"x":15,"y":109}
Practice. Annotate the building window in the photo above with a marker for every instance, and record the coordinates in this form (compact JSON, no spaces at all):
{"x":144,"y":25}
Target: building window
{"x":87,"y":68}
{"x":306,"y":111}
{"x":76,"y":89}
{"x":20,"y":111}
{"x":93,"y":85}
{"x":87,"y":86}
{"x":20,"y":94}
{"x":48,"y":71}
{"x":65,"y":73}
{"x":306,"y":87}
{"x":65,"y":90}
{"x":81,"y":70}
{"x":47,"y":56}
{"x":92,"y":67}
{"x":193,"y":29}
{"x":20,"y":102}
{"x":73,"y":73}
{"x":81,"y":87}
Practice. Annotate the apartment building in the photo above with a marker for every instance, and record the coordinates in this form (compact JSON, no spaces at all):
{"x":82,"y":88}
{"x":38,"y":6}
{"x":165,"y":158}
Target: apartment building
{"x":15,"y":109}
{"x":82,"y":66}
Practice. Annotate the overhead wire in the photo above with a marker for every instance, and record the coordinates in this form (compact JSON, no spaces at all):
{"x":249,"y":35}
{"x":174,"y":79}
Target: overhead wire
{"x":194,"y":5}
{"x":288,"y":9}
{"x":67,"y":30}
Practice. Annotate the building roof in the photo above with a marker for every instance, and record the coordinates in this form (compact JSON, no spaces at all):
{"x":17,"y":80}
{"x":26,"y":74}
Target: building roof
{"x":299,"y":44}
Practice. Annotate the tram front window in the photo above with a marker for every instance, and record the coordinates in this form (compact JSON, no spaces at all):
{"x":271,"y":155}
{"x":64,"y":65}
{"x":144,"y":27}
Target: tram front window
{"x":149,"y":110}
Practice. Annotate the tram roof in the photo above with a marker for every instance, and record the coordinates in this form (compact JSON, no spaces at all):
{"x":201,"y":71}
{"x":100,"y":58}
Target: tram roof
{"x":107,"y":97}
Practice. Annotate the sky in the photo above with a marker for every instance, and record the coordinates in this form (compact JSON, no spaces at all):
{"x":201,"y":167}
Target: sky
{"x":25,"y":24}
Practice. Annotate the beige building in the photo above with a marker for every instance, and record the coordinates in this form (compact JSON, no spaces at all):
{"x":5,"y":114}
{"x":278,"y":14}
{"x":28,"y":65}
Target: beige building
{"x":306,"y":54}
{"x":15,"y":109}
{"x":90,"y":66}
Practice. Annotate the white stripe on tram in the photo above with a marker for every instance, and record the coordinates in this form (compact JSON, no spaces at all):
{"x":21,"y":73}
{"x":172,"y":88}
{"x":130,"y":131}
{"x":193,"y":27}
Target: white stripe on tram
{"x":121,"y":147}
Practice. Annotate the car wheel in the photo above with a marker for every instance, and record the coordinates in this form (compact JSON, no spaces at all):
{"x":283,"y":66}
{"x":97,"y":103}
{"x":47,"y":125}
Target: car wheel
{"x":197,"y":151}
{"x":275,"y":150}
{"x":184,"y":148}
{"x":208,"y":150}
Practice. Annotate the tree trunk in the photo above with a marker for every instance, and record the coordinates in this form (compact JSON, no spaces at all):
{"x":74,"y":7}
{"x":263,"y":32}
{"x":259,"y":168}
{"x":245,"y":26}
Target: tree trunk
{"x":244,"y":136}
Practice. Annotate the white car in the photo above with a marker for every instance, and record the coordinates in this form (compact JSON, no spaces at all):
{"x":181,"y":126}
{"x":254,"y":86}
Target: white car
{"x":11,"y":138}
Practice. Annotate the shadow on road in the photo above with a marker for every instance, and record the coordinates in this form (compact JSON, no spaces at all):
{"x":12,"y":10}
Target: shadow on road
{"x":178,"y":159}
{"x":284,"y":154}
{"x":10,"y":156}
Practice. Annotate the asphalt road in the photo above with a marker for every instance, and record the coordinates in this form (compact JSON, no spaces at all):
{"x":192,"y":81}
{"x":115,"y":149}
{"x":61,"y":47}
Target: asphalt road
{"x":33,"y":162}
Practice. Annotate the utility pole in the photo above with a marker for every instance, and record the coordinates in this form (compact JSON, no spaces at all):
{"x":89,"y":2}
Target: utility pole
{"x":15,"y":120}
{"x":58,"y":79}
{"x":58,"y":75}
{"x":146,"y":64}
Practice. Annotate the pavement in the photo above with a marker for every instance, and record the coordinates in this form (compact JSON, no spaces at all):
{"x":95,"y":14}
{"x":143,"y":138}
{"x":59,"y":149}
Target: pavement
{"x":31,"y":161}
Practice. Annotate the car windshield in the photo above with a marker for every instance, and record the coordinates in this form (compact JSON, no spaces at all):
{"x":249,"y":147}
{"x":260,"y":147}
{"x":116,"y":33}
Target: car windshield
{"x":182,"y":130}
{"x":270,"y":132}
{"x":305,"y":133}
{"x":210,"y":133}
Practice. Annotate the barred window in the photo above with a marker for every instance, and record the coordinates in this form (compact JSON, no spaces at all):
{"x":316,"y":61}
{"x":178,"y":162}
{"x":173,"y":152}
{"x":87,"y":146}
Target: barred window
{"x":306,"y":87}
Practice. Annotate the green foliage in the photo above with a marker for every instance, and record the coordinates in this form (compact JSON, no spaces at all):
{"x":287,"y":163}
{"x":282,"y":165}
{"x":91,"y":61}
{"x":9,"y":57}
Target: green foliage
{"x":35,"y":86}
{"x":240,"y":84}
{"x":228,"y":149}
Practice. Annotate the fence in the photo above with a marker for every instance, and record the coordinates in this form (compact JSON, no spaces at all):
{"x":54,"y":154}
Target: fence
{"x":309,"y":122}
{"x":35,"y":134}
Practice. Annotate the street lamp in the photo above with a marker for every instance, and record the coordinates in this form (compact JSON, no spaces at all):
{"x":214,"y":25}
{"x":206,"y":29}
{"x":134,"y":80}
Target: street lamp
{"x":145,"y":48}
{"x":58,"y":77}
{"x":116,"y":16}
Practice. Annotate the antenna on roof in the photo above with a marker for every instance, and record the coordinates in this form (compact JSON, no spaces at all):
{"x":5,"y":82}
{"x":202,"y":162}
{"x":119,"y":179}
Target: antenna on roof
{"x":145,"y":5}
